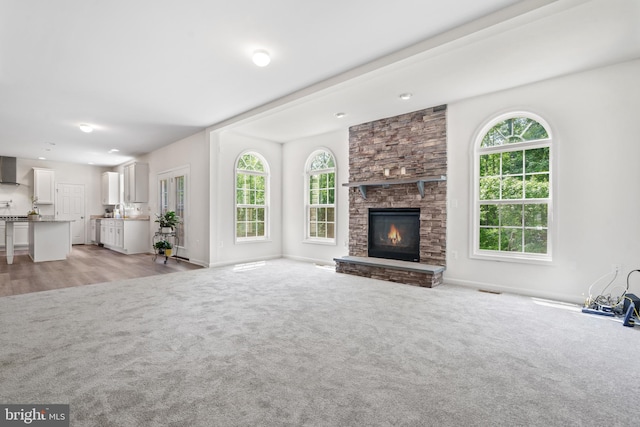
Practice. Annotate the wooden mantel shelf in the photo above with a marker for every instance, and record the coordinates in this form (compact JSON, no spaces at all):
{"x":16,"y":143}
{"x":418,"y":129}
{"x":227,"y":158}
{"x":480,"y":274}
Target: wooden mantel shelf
{"x":420,"y":180}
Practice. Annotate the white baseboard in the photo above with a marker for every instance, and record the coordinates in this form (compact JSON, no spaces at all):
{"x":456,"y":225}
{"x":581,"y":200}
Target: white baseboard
{"x":309,"y":260}
{"x":518,"y":291}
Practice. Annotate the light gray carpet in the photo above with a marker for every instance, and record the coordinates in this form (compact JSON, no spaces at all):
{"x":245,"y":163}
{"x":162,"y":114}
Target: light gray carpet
{"x":288,"y":343}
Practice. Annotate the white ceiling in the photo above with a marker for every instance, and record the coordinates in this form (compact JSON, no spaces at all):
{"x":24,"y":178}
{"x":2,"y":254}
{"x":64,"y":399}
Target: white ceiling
{"x":146,"y":73}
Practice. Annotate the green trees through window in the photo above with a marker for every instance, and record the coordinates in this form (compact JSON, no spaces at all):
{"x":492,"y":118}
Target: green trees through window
{"x":514,"y":188}
{"x":251,"y":197}
{"x":321,"y":190}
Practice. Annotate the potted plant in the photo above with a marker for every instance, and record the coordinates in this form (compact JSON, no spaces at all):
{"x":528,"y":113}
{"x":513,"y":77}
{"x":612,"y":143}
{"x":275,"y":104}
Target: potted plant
{"x":167,"y":221}
{"x":34,"y":213}
{"x":164,"y":247}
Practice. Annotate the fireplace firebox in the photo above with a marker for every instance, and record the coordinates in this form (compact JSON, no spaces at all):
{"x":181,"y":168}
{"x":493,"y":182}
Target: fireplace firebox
{"x":395,"y":234}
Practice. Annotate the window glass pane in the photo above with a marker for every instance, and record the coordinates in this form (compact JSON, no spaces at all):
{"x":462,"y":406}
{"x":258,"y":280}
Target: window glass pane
{"x":490,"y":188}
{"x":331,"y":230}
{"x":332,"y":197}
{"x":537,"y":160}
{"x":331,"y":214}
{"x":511,"y":215}
{"x":313,"y":230}
{"x":512,"y":187}
{"x":260,"y":197}
{"x":260,"y":214}
{"x":511,"y":240}
{"x":241,"y":214}
{"x":313,"y":214}
{"x":325,"y":180}
{"x":489,"y":239}
{"x":535,"y":131}
{"x":512,"y":162}
{"x":535,"y":215}
{"x":489,"y":215}
{"x":241,"y":230}
{"x":535,"y":241}
{"x":324,"y":197}
{"x":537,"y":186}
{"x":490,"y":164}
{"x":260,"y":229}
{"x":322,"y":229}
{"x":314,"y":182}
{"x":322,"y":214}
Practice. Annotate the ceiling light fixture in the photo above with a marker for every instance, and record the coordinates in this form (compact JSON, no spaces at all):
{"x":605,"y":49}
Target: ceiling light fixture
{"x":42,"y":158}
{"x":340,"y":115}
{"x":86,"y":128}
{"x":405,"y":96}
{"x":113,"y":150}
{"x":261,"y":58}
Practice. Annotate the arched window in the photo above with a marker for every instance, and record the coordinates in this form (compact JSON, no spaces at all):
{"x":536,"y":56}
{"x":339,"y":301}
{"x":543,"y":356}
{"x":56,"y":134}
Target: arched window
{"x":513,"y":191}
{"x":252,"y":188}
{"x":320,"y":184}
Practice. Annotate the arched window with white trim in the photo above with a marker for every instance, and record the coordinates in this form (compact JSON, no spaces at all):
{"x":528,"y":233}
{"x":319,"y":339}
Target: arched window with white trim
{"x":252,"y":195}
{"x":513,"y":189}
{"x":320,"y":206}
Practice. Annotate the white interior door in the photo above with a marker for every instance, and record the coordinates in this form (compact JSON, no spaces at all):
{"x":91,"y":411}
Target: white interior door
{"x":70,"y":206}
{"x":173,"y":187}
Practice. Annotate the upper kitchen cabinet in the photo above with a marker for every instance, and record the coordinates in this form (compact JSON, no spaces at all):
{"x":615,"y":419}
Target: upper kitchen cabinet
{"x":43,"y":188}
{"x":136,"y":183}
{"x":110,"y":188}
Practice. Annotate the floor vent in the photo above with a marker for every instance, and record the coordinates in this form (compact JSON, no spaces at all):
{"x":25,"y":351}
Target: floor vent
{"x":487,"y":291}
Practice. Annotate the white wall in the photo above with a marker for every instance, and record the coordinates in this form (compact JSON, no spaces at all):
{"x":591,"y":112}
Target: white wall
{"x":594,"y":120}
{"x":295,"y":155}
{"x":193,"y":152}
{"x":226,"y":147}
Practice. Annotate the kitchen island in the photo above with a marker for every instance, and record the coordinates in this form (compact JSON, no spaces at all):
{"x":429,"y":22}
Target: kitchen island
{"x":49,"y":239}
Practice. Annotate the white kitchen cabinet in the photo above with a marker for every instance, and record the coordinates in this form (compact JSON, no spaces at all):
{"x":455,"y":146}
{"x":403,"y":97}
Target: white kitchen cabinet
{"x":136,"y":183}
{"x":43,"y":186}
{"x":126,"y":236}
{"x":110,"y":188}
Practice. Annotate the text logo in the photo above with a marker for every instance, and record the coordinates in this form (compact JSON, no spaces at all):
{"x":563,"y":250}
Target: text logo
{"x":34,"y":415}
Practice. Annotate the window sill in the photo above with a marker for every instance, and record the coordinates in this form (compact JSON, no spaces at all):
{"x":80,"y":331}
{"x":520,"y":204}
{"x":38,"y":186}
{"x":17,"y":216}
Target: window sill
{"x":327,"y":242}
{"x":253,"y":240}
{"x":515,"y":258}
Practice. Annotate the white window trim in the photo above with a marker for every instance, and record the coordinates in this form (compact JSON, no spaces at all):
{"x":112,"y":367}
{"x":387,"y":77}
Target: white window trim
{"x":518,"y":257}
{"x":307,"y":173}
{"x":267,"y":219}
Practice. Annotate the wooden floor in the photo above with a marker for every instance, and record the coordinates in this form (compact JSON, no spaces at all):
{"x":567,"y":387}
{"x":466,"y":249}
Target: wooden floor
{"x":87,"y":264}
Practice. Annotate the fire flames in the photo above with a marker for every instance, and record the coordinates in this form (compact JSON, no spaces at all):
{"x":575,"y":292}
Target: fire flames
{"x":394,"y":235}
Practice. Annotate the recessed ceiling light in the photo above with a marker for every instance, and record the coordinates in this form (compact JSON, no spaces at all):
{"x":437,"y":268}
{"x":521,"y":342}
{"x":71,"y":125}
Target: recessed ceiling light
{"x":113,"y":150}
{"x":340,"y":115}
{"x":261,"y":58}
{"x":91,"y":163}
{"x":42,"y":158}
{"x":405,"y":96}
{"x":86,"y":128}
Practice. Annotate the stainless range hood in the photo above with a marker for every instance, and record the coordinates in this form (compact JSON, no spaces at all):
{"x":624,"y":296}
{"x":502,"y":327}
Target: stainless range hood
{"x":8,"y":171}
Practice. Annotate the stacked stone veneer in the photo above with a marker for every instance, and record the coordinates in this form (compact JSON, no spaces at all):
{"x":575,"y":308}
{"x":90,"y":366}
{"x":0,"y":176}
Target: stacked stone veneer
{"x":418,"y":142}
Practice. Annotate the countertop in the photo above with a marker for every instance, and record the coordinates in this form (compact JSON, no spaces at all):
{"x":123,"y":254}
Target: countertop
{"x":38,"y":220}
{"x":129,"y":218}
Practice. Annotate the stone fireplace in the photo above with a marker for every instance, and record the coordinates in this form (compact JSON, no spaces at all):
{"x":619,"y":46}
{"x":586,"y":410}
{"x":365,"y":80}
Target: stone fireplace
{"x":398,"y":164}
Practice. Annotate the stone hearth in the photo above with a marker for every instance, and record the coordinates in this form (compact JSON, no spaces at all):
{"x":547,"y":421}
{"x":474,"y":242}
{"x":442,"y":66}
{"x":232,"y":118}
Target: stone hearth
{"x":416,"y":142}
